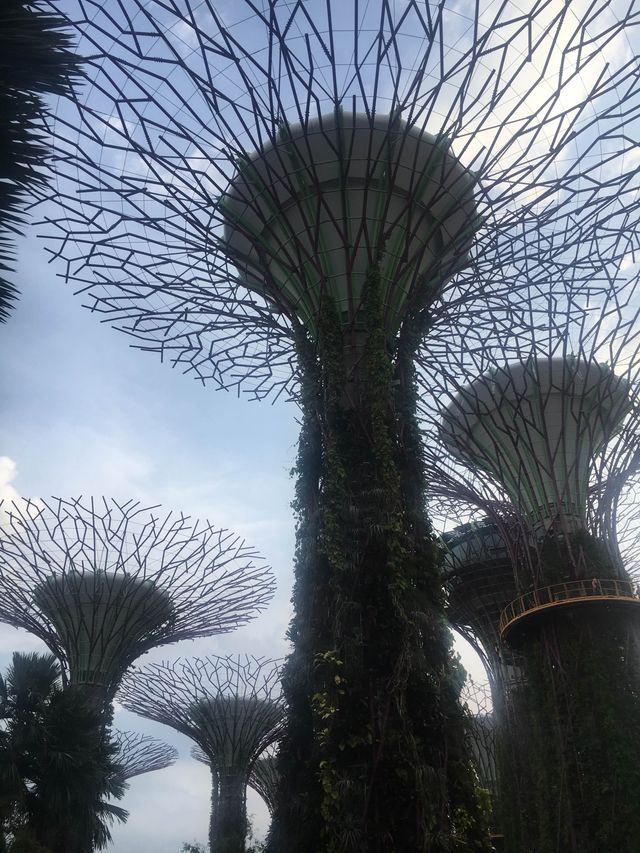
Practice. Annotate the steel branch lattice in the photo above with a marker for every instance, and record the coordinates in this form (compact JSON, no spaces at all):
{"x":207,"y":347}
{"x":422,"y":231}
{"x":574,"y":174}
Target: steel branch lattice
{"x":102,"y":582}
{"x":230,"y":707}
{"x":541,"y":108}
{"x":138,"y":753}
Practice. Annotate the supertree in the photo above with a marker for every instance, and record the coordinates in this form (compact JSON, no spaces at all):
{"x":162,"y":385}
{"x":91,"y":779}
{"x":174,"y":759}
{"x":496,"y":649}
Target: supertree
{"x":102,"y":582}
{"x":282,"y":186}
{"x":547,"y":425}
{"x":263,"y":778}
{"x":232,"y":708}
{"x":138,"y":753}
{"x":479,"y":579}
{"x":479,"y":584}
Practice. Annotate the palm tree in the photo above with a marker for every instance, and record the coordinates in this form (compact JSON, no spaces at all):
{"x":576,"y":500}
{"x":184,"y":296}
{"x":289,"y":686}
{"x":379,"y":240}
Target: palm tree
{"x":35,"y":59}
{"x":56,"y":763}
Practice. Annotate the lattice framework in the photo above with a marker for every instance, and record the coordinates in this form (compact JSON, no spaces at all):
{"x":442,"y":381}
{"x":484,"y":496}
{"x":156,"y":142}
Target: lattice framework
{"x":138,"y":753}
{"x":231,"y":707}
{"x":540,"y":106}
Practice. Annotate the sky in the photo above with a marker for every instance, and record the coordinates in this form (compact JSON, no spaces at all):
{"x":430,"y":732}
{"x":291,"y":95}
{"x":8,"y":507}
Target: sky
{"x":84,"y":413}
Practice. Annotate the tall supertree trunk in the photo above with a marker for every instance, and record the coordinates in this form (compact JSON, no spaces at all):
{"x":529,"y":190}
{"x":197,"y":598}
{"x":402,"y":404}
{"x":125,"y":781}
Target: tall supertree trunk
{"x":215,"y":783}
{"x":229,"y":818}
{"x":581,"y":710}
{"x":374,"y":758}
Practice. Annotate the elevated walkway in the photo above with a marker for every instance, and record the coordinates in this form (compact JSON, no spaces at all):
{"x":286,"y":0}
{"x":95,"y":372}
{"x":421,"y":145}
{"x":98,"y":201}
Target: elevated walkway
{"x":572,"y":593}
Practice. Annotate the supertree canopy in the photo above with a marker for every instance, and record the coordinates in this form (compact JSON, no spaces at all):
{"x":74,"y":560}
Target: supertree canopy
{"x":331,"y":192}
{"x":535,"y":427}
{"x":231,"y":708}
{"x":138,"y":753}
{"x":103,"y":582}
{"x":480,"y":583}
{"x":310,"y":215}
{"x":497,"y":132}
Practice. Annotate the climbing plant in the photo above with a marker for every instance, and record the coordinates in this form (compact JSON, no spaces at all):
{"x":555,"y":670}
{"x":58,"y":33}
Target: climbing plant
{"x":579,"y":712}
{"x":374,"y":757}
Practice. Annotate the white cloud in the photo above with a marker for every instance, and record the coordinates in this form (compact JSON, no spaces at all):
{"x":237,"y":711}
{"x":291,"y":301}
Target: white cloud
{"x":8,"y":472}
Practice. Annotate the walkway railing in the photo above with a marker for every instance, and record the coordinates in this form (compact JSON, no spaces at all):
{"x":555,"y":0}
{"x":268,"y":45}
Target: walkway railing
{"x":571,"y":592}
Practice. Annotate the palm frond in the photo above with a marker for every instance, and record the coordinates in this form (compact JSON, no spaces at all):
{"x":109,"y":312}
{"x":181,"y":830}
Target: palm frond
{"x":36,"y":59}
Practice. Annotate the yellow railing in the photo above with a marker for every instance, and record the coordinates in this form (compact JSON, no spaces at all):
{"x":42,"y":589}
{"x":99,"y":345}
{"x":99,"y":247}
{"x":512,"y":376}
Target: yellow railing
{"x":566,"y":593}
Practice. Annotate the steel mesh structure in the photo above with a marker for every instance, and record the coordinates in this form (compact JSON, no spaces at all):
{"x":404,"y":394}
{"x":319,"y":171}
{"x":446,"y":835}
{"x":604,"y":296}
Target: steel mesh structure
{"x":102,"y":582}
{"x":138,"y":753}
{"x":539,"y":429}
{"x":178,"y":99}
{"x":480,"y":582}
{"x":231,"y":708}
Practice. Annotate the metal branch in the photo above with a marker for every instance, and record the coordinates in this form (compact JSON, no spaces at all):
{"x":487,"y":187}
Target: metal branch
{"x":540,"y":430}
{"x":231,"y":707}
{"x":139,"y":753}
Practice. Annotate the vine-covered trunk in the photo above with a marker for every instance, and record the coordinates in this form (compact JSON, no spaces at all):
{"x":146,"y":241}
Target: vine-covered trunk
{"x":229,"y":830}
{"x":580,"y":724}
{"x":581,"y":709}
{"x":374,"y":757}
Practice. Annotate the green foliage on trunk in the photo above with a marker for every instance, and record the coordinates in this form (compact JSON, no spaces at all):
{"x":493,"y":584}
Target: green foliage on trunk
{"x":579,"y":718}
{"x":374,"y":758}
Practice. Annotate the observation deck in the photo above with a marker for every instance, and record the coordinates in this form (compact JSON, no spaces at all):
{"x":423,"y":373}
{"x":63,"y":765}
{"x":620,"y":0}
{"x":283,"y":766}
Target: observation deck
{"x":572,"y":593}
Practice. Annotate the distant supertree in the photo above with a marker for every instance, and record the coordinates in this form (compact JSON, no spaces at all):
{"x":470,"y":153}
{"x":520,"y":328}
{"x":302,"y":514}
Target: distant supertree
{"x":265,"y":780}
{"x":263,"y":777}
{"x":103,"y":582}
{"x":483,"y":739}
{"x":323,"y":191}
{"x":138,"y":754}
{"x":232,"y":709}
{"x":480,"y":583}
{"x":551,"y":443}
